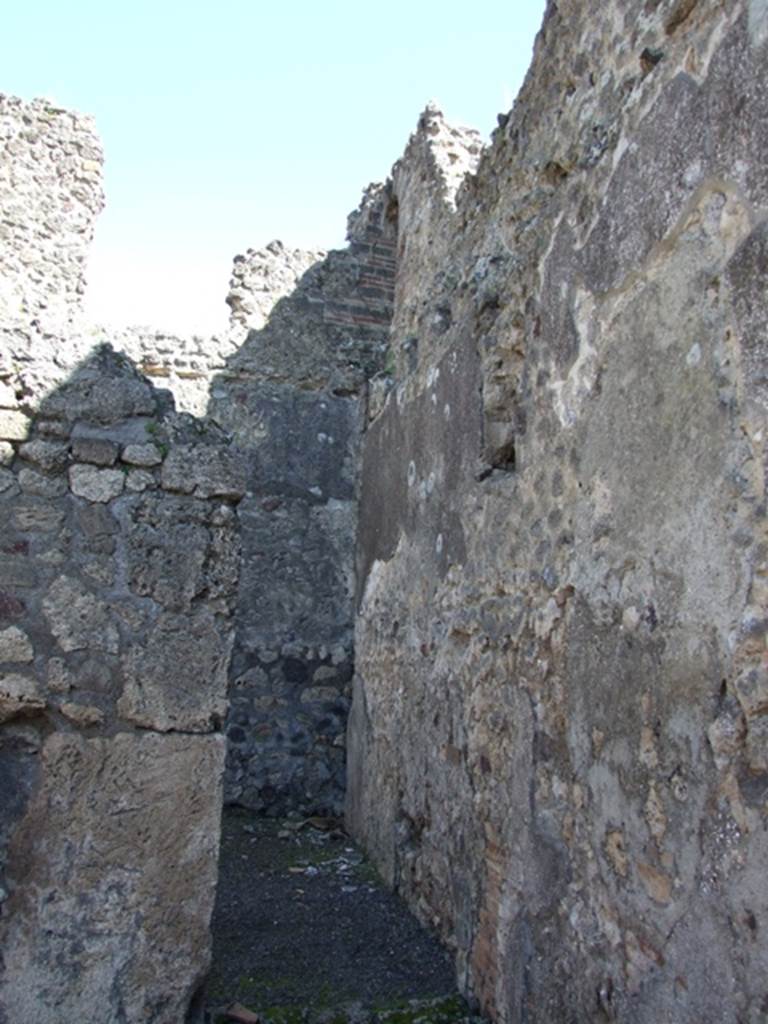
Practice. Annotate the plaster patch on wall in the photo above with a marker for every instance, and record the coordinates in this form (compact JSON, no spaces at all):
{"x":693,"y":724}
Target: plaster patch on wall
{"x":758,"y":22}
{"x":375,"y":574}
{"x":735,"y":223}
{"x":570,"y":393}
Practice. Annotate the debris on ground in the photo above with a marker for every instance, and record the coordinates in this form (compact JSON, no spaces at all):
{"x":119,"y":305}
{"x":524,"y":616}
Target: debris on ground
{"x":305,"y":932}
{"x":239,"y":1014}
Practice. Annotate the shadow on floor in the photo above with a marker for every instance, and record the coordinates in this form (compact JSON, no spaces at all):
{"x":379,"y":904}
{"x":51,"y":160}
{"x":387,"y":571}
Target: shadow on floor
{"x":304,"y":930}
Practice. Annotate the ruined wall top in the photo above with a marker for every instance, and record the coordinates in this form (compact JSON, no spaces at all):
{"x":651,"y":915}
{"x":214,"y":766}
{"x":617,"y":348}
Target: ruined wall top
{"x":440,"y":155}
{"x":50,"y":195}
{"x":597,"y":71}
{"x":424,"y":187}
{"x":313,"y":318}
{"x":260,"y":278}
{"x":51,"y":186}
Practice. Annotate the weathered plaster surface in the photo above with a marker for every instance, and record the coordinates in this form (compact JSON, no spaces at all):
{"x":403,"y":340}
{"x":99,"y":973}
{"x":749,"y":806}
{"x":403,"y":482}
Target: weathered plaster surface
{"x":557,"y":739}
{"x":102,"y":923}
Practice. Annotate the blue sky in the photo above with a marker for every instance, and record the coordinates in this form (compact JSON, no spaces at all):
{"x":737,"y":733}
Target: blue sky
{"x":226,"y":125}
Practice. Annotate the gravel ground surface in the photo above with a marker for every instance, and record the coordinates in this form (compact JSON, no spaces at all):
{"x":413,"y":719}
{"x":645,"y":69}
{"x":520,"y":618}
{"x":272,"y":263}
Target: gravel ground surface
{"x":304,"y":930}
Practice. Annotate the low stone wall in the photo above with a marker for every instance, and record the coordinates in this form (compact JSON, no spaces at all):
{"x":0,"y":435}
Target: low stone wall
{"x":287,"y":730}
{"x":118,"y":575}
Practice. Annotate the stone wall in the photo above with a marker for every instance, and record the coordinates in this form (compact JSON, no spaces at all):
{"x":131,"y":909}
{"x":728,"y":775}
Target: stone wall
{"x":50,"y":179}
{"x":557,"y":742}
{"x":558,"y":731}
{"x":424,"y":186}
{"x":50,"y":194}
{"x":118,"y":575}
{"x":262,"y":277}
{"x":289,"y":384}
{"x":288,"y":381}
{"x":293,"y":396}
{"x":118,"y":563}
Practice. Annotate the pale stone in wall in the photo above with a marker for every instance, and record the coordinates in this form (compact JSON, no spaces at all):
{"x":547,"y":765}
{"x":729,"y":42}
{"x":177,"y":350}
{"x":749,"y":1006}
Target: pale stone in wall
{"x":15,"y":645}
{"x":96,"y":484}
{"x":142,"y":455}
{"x":78,"y":619}
{"x":204,"y":470}
{"x":97,"y":927}
{"x":19,"y":695}
{"x":82,"y":714}
{"x":14,"y":426}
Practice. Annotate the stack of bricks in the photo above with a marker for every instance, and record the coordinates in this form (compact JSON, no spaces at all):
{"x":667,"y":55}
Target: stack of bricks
{"x":372,"y":244}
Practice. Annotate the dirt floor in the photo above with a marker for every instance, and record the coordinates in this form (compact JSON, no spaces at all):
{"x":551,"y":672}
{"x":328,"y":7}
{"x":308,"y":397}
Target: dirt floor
{"x":304,"y":931}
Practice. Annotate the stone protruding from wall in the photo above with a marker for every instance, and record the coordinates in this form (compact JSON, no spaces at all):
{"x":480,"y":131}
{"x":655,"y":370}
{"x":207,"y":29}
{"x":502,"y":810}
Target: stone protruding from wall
{"x":293,"y":396}
{"x":118,"y":576}
{"x":558,"y":734}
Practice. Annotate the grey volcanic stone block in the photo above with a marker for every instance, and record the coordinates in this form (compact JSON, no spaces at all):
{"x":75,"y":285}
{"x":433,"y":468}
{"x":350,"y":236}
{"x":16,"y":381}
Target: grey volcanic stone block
{"x":15,"y":645}
{"x":204,"y":470}
{"x":48,"y":455}
{"x":40,"y":485}
{"x":37,"y":515}
{"x":19,"y":695}
{"x":142,"y":455}
{"x":96,"y":450}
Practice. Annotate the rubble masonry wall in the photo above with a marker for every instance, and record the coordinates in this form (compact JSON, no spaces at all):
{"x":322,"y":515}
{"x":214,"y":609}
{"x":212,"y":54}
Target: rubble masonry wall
{"x":558,"y":734}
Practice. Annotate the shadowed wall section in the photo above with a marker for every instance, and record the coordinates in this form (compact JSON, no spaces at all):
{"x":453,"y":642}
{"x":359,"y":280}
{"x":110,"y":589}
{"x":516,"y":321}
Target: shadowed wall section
{"x":294,"y":397}
{"x":119,"y":566}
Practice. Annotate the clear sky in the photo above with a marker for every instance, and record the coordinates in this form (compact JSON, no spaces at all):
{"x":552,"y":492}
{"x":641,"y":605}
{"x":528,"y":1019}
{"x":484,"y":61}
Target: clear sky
{"x":228,"y":124}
